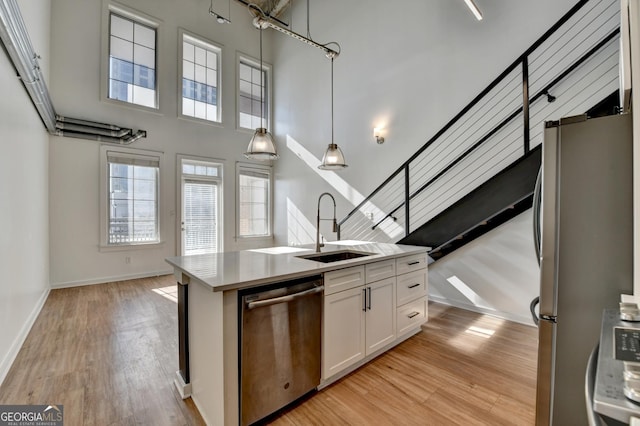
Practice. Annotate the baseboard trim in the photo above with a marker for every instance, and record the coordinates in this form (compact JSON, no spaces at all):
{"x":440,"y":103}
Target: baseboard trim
{"x":8,"y":360}
{"x":111,"y":279}
{"x":525,"y":320}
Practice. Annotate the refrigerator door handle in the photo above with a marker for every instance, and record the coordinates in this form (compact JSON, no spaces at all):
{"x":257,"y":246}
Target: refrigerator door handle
{"x":549,"y":222}
{"x":537,"y":201}
{"x":532,"y":308}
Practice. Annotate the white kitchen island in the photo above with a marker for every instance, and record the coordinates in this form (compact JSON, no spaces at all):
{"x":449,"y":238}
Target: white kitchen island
{"x":208,"y":312}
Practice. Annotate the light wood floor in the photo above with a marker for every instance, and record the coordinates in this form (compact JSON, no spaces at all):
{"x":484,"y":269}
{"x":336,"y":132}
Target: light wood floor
{"x":108,"y":353}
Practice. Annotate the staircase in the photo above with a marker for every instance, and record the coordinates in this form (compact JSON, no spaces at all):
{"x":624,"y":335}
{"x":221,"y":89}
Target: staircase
{"x":479,"y":170}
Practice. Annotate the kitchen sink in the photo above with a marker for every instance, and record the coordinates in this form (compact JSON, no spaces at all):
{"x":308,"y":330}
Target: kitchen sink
{"x":335,"y":256}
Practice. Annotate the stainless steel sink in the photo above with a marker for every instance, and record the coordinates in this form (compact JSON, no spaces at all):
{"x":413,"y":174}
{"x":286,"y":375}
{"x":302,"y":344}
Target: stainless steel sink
{"x":335,"y":256}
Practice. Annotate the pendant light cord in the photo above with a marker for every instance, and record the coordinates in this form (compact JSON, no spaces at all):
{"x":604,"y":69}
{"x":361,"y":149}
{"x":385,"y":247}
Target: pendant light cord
{"x":332,"y":100}
{"x":261,"y":83}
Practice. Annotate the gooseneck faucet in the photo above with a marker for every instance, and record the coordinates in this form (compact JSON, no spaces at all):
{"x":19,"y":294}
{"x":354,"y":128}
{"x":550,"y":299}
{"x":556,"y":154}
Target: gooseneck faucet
{"x":335,"y":224}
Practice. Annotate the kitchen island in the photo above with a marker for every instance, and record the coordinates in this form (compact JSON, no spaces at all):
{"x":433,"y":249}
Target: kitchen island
{"x":353,"y":333}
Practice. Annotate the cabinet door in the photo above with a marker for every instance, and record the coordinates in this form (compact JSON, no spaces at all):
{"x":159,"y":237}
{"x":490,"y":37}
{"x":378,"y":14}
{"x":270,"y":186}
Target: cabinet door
{"x":381,"y":314}
{"x":411,"y":263}
{"x":344,"y":330}
{"x":411,"y":286}
{"x":343,"y":279}
{"x":412,"y":315}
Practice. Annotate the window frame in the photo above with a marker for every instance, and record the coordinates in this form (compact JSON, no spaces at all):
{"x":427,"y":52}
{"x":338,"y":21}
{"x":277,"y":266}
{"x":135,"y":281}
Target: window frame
{"x":104,"y":197}
{"x":179,"y":182}
{"x":207,"y":45}
{"x":251,"y":167}
{"x":268,"y":69}
{"x":110,"y":7}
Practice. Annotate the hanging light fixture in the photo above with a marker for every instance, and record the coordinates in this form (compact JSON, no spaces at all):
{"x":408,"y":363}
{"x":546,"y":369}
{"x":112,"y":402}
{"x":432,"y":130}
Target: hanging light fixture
{"x":262,"y":145}
{"x":333,"y":159}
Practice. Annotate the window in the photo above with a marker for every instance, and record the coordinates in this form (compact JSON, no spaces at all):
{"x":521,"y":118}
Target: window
{"x":254,"y":201}
{"x":132,"y":61}
{"x":131,"y":196}
{"x":200,"y":79}
{"x":201,"y":206}
{"x":251,"y":82}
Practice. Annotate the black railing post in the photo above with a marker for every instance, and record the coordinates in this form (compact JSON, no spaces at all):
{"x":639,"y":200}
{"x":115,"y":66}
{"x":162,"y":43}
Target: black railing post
{"x":406,"y":199}
{"x":525,"y":102}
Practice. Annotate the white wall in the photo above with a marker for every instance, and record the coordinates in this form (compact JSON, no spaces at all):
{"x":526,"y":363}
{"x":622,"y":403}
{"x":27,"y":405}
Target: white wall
{"x":409,"y":69}
{"x":495,"y":274}
{"x":24,"y":241}
{"x":76,"y":60}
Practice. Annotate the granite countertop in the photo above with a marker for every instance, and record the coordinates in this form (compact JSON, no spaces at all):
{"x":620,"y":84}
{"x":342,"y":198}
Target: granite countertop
{"x":242,"y":269}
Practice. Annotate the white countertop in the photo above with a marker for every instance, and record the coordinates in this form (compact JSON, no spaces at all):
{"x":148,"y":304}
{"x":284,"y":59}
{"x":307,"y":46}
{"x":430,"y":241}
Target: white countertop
{"x":236,"y":270}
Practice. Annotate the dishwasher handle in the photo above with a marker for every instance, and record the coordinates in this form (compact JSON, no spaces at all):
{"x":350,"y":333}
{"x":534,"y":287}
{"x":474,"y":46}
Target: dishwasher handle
{"x":283,"y":299}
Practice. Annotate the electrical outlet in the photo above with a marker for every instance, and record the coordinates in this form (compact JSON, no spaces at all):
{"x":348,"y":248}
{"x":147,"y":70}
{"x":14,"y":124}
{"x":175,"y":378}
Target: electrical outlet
{"x":127,"y":260}
{"x":370,"y":216}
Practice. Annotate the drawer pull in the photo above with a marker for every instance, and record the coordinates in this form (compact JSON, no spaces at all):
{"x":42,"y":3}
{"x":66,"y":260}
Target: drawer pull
{"x":414,"y":286}
{"x":415,"y":262}
{"x":413,"y":314}
{"x":364,"y":299}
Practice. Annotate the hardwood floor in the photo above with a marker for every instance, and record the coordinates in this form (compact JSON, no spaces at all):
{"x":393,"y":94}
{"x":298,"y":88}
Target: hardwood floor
{"x":462,"y":369}
{"x":108,"y":353}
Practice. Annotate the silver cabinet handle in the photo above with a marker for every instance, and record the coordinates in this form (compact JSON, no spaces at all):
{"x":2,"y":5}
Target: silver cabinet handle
{"x":415,"y":262}
{"x":413,"y":314}
{"x":282,"y":299}
{"x":414,"y":286}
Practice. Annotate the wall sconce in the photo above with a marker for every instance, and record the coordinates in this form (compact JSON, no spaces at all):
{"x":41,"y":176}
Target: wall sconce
{"x":377,"y":133}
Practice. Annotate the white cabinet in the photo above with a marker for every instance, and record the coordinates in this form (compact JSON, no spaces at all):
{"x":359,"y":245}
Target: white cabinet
{"x":343,"y":279}
{"x":344,"y":330}
{"x":357,"y":321}
{"x":380,"y":315}
{"x":411,"y":293}
{"x":371,"y":307}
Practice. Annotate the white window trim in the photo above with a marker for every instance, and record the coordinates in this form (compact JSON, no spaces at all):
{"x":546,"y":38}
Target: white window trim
{"x":240,"y":166}
{"x":127,"y":12}
{"x":220,"y":180}
{"x":104,"y":195}
{"x":241,"y":57}
{"x":217,"y":46}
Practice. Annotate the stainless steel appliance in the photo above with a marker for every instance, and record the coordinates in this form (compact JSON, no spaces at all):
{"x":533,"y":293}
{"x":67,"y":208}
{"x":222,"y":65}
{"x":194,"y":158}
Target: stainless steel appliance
{"x":280,"y":345}
{"x":586,"y":252}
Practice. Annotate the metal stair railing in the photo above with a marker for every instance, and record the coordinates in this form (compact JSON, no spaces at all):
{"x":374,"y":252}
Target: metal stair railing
{"x":576,"y":60}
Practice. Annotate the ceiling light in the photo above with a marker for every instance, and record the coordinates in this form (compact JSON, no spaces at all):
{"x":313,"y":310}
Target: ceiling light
{"x":333,"y":159}
{"x":474,"y":9}
{"x":262,"y":146}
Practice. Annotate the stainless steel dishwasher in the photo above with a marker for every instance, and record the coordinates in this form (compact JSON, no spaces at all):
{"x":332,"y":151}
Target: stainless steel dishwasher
{"x":280,"y":338}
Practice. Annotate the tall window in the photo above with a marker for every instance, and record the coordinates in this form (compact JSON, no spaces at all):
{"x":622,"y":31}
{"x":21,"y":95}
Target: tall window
{"x":132,"y":61}
{"x":252,"y":81}
{"x":132,"y":210}
{"x":254,"y":201}
{"x":200,"y":79}
{"x":201,"y":206}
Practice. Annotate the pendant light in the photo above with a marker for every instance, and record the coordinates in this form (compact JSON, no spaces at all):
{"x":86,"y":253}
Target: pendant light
{"x":262,"y":146}
{"x":333,"y":159}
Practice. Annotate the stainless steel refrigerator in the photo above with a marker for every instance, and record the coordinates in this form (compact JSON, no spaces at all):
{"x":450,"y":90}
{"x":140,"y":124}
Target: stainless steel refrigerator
{"x":586,"y":253}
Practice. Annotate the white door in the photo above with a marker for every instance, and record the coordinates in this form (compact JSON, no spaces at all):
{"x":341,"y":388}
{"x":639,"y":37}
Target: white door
{"x":343,"y":331}
{"x":200,"y":208}
{"x":381,"y":314}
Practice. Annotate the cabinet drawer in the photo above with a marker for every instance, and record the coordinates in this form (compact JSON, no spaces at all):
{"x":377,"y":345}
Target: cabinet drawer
{"x":411,"y":263}
{"x":343,"y":279}
{"x":411,"y":315}
{"x":411,"y":286}
{"x":379,"y":270}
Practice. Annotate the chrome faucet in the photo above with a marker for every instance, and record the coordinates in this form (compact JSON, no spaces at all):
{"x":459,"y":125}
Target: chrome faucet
{"x":335,"y":224}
